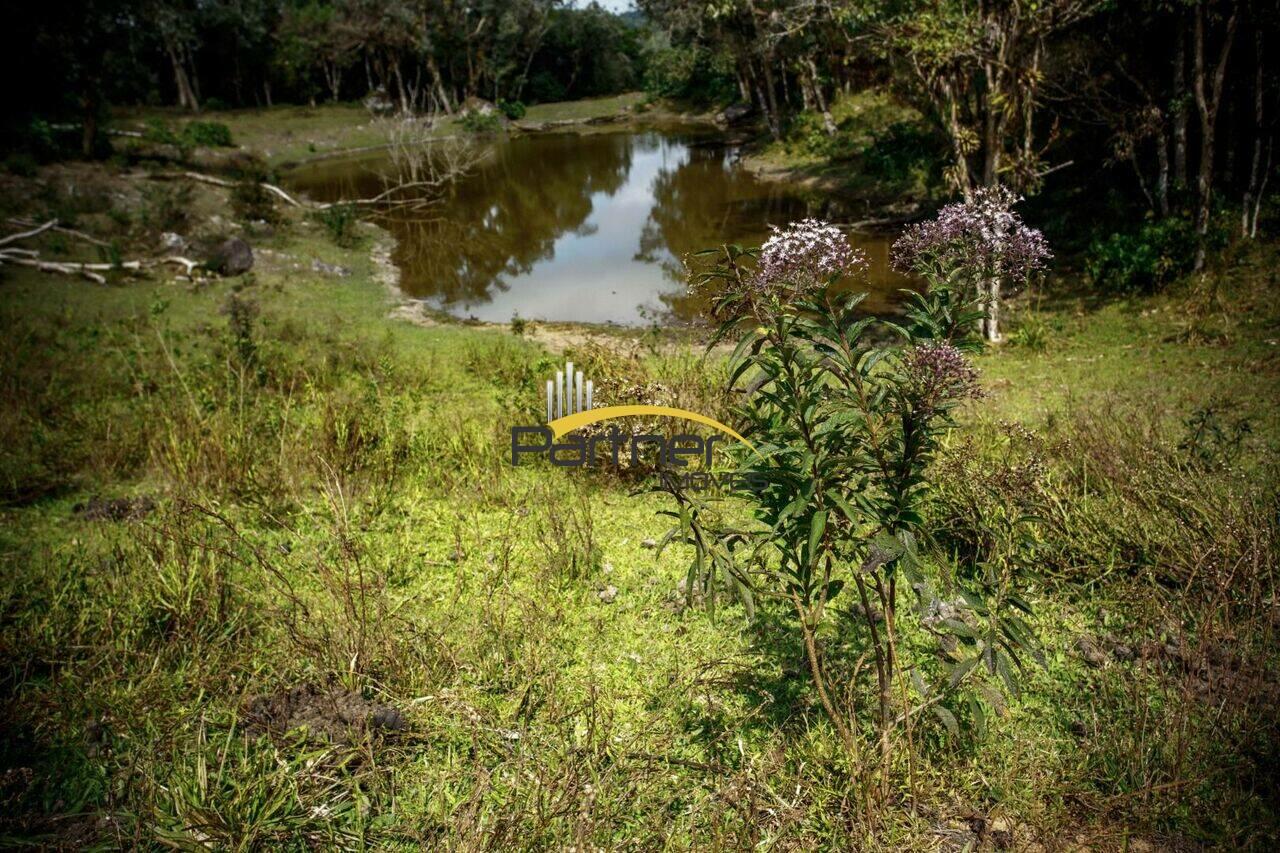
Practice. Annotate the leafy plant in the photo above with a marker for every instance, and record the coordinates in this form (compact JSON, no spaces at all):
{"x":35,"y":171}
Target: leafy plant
{"x":213,"y":134}
{"x":480,"y":123}
{"x":513,"y":110}
{"x":844,"y":424}
{"x":1145,"y":260}
{"x":340,"y":221}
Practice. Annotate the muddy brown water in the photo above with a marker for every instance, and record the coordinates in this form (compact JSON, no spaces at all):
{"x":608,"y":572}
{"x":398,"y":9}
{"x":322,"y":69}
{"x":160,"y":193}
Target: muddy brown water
{"x":588,"y":228}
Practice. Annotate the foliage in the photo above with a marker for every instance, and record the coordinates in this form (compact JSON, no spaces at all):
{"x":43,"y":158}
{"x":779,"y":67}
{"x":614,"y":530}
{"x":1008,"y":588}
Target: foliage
{"x":210,"y":133}
{"x":191,"y":134}
{"x":904,"y":152}
{"x":843,"y":428}
{"x":478,"y":123}
{"x":513,"y":110}
{"x":340,"y":221}
{"x":1143,"y":261}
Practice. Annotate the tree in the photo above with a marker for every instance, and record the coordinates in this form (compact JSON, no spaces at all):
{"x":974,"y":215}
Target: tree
{"x":982,"y":68}
{"x":1207,"y":85}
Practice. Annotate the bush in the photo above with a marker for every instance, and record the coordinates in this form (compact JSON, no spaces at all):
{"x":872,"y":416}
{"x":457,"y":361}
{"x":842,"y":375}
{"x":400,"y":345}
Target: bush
{"x":513,"y":110}
{"x":904,"y":151}
{"x":340,"y":221}
{"x":160,"y":132}
{"x":1143,"y":261}
{"x":480,"y":123}
{"x":213,"y":134}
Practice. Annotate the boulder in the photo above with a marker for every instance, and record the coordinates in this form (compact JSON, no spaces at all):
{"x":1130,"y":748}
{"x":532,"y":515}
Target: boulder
{"x":377,"y":102}
{"x":735,"y":114}
{"x":478,"y":105}
{"x":231,"y":257}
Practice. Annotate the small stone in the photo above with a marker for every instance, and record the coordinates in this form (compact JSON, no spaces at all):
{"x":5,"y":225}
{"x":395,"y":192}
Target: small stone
{"x":173,"y":244}
{"x":608,"y":594}
{"x":1089,"y":652}
{"x":320,"y":266}
{"x":649,"y":544}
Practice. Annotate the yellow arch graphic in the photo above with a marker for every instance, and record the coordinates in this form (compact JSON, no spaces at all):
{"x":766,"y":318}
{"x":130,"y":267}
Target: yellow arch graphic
{"x":569,"y":423}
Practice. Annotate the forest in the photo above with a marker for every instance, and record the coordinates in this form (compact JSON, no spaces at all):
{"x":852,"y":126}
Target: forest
{"x":684,"y":424}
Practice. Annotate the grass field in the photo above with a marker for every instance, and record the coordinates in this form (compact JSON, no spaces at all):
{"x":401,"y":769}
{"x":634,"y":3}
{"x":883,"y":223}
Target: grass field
{"x":292,"y":134}
{"x":269,"y":579}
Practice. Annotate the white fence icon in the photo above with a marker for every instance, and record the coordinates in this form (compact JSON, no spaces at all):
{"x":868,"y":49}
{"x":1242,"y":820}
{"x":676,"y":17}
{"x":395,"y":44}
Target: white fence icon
{"x":566,"y":394}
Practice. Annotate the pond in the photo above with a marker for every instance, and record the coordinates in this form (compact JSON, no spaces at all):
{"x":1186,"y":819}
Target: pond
{"x":588,"y":228}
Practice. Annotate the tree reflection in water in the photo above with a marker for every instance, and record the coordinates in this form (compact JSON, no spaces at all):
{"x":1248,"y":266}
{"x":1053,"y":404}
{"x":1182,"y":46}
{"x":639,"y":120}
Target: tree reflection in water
{"x":588,"y":228}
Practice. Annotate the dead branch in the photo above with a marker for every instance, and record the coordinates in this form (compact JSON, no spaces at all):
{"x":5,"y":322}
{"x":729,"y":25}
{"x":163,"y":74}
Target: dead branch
{"x":71,"y":232}
{"x":222,"y":182}
{"x":26,"y":235}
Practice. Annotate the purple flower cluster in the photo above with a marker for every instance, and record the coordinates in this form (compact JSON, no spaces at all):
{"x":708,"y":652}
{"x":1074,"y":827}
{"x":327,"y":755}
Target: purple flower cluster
{"x":938,"y":374}
{"x":982,"y":234}
{"x":805,"y":254}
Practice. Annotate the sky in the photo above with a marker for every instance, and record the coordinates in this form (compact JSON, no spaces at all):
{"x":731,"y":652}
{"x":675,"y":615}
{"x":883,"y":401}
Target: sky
{"x":611,"y":5}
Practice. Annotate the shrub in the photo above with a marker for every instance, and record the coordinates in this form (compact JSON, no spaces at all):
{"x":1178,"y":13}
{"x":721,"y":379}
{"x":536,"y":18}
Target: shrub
{"x":480,"y":123}
{"x":514,"y":110}
{"x":340,"y":221}
{"x":845,"y":427}
{"x":213,"y":134}
{"x":904,"y":151}
{"x":1143,"y":261}
{"x":252,"y":202}
{"x":159,"y":131}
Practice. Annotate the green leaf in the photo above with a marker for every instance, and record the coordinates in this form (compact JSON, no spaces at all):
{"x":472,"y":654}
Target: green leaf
{"x":948,"y":719}
{"x":817,"y":526}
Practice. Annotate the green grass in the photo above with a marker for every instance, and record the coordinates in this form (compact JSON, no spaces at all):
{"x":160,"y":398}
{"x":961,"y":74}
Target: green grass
{"x":333,"y":507}
{"x":292,"y":134}
{"x":585,"y":109}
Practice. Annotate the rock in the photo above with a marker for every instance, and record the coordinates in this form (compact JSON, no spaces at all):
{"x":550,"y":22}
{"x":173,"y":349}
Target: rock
{"x":378,"y":103}
{"x":173,"y":244}
{"x":735,"y":114}
{"x":1089,"y":652}
{"x":478,"y":105}
{"x":231,"y":257}
{"x":320,"y":266}
{"x":649,"y":544}
{"x":608,"y":594}
{"x":1122,"y":652}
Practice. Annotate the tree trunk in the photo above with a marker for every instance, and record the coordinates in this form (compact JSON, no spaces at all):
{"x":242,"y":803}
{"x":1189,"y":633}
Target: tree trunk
{"x":952,"y":109}
{"x":441,"y":92}
{"x":1208,"y":102}
{"x":186,"y":96}
{"x":1162,"y":177}
{"x":828,"y":123}
{"x":89,"y":131}
{"x":993,"y":310}
{"x":1180,"y":108}
{"x":771,"y":101}
{"x":1249,"y":221}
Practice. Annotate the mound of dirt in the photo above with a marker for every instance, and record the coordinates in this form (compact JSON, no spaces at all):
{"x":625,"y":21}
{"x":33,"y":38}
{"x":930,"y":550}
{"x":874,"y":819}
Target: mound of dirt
{"x":332,"y":714}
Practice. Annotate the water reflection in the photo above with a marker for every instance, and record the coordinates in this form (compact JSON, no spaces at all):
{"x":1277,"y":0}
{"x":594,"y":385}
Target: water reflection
{"x":585,"y":228}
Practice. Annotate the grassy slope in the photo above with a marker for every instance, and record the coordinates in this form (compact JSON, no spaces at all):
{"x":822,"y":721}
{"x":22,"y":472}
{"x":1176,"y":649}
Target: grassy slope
{"x":357,"y":447}
{"x":292,"y":134}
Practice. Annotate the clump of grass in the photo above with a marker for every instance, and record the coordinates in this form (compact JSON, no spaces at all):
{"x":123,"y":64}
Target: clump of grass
{"x":341,"y":222}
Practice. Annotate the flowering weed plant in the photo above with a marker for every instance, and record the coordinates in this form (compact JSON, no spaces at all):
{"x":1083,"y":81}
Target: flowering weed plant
{"x":975,"y":246}
{"x":846,"y":413}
